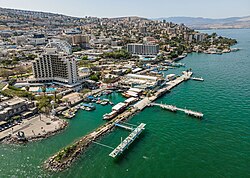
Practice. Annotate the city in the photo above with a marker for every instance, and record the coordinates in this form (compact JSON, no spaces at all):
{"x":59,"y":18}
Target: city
{"x":57,"y":69}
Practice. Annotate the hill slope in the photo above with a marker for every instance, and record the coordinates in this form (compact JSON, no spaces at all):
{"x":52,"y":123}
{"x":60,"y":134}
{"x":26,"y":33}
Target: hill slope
{"x":206,"y":23}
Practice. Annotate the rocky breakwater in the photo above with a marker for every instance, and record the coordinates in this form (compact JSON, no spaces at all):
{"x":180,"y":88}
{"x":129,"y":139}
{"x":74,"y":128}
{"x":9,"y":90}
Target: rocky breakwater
{"x":65,"y":157}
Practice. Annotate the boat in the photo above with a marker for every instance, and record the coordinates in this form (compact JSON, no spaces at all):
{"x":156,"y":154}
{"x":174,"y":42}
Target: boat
{"x":198,"y":79}
{"x":88,"y":109}
{"x":235,"y":49}
{"x":82,"y":107}
{"x":104,"y":101}
{"x":111,"y":103}
{"x":120,"y":107}
{"x":110,"y":115}
{"x":180,"y":57}
{"x":120,"y":90}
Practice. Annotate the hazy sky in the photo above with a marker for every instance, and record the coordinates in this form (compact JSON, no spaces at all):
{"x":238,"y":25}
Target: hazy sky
{"x":145,"y":8}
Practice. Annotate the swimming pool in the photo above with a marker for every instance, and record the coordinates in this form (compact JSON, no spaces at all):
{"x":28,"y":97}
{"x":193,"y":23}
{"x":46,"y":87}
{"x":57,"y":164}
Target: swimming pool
{"x":48,"y":90}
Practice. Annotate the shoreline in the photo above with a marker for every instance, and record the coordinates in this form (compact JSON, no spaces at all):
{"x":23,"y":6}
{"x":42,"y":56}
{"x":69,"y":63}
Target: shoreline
{"x":14,"y":140}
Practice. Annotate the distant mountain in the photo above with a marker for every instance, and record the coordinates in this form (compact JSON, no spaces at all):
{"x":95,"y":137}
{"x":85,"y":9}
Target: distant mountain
{"x":208,"y":23}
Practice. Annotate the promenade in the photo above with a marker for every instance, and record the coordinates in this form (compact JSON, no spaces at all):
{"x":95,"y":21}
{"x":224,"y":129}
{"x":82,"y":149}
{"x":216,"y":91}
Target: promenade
{"x":35,"y":127}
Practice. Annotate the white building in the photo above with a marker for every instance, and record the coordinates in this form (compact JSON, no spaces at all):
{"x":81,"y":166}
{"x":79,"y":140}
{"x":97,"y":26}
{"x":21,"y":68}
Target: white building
{"x":143,"y":49}
{"x":54,"y":67}
{"x":60,"y":45}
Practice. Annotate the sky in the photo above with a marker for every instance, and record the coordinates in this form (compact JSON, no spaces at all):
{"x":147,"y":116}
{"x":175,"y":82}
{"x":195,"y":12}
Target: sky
{"x":142,"y":8}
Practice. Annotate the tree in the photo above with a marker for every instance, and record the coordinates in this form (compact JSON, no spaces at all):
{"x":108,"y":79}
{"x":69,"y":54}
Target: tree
{"x":44,"y":104}
{"x":5,"y":73}
{"x":85,"y":58}
{"x":20,"y":70}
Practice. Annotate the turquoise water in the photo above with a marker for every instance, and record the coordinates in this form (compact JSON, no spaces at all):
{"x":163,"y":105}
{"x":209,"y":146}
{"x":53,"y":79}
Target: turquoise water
{"x":173,"y":144}
{"x":48,"y":90}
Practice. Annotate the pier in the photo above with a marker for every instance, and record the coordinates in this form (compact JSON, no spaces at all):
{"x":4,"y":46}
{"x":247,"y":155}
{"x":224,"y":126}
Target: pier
{"x":174,"y":109}
{"x":125,"y":143}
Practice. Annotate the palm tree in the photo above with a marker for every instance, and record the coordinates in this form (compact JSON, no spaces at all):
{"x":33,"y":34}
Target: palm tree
{"x":43,"y":90}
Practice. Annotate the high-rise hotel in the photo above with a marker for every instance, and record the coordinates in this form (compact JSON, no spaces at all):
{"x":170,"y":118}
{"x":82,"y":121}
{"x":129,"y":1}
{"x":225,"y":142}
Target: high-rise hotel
{"x":55,"y":67}
{"x":143,"y":49}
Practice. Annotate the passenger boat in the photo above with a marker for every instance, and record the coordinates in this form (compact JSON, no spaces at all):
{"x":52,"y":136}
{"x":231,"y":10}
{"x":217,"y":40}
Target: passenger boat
{"x":110,"y":115}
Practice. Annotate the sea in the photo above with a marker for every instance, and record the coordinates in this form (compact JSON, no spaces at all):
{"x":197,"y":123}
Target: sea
{"x":173,"y":145}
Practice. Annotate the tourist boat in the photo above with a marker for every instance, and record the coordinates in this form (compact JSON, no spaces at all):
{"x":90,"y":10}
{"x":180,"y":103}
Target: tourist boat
{"x":119,"y":108}
{"x":110,"y":115}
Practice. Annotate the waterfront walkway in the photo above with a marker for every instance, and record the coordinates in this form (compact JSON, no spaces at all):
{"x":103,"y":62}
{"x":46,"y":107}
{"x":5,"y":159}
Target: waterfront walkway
{"x":34,"y":127}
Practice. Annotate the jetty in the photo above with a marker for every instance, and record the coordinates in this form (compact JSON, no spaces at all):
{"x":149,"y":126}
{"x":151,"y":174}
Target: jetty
{"x":125,"y":143}
{"x":174,"y":109}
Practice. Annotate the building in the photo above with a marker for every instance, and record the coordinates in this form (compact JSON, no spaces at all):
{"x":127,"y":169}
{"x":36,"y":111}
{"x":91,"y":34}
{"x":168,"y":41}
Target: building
{"x":37,"y":39}
{"x":139,"y":81}
{"x":143,"y":29}
{"x":60,"y":45}
{"x":16,"y":106}
{"x":199,"y":37}
{"x":143,"y":49}
{"x":55,"y":67}
{"x":81,"y":40}
{"x":72,"y":31}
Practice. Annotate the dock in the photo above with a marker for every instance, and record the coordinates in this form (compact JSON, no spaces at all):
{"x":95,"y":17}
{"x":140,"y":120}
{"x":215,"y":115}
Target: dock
{"x":174,"y":109}
{"x":125,"y":143}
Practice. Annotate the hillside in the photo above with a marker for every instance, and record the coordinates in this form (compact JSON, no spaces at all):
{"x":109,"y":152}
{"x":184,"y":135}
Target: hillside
{"x":208,"y":23}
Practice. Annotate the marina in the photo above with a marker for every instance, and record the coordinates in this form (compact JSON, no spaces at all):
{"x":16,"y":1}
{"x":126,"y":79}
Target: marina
{"x":78,"y":147}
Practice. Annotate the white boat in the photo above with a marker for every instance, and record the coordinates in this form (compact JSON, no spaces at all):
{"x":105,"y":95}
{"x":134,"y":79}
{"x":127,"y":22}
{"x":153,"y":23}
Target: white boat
{"x":88,"y":109}
{"x":198,"y":79}
{"x":110,"y":115}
